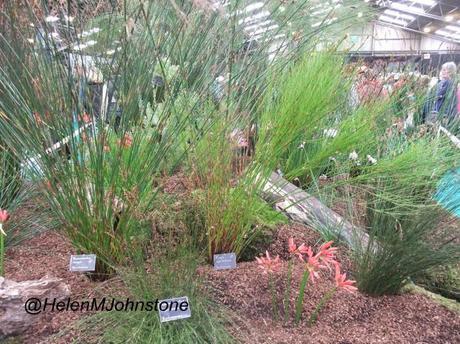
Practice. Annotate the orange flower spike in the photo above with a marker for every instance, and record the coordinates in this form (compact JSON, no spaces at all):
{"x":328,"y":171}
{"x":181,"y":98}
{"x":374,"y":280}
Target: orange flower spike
{"x":293,"y":249}
{"x":312,"y":264}
{"x":341,"y":281}
{"x":267,"y":264}
{"x":38,"y":118}
{"x":86,"y":118}
{"x":4,"y":216}
{"x":327,"y":253}
{"x":126,"y":141}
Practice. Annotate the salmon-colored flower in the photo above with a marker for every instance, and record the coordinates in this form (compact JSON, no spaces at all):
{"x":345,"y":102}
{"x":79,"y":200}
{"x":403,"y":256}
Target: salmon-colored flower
{"x":268,"y":264}
{"x":313,"y":265}
{"x":342,"y":282}
{"x":4,"y":216}
{"x":38,"y":118}
{"x":293,"y":249}
{"x":86,"y":118}
{"x":126,"y":141}
{"x":327,"y":253}
{"x":106,"y":148}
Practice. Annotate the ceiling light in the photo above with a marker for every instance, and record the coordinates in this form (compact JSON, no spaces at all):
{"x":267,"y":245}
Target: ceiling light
{"x":448,"y":34}
{"x":449,"y":18}
{"x":247,"y":9}
{"x":324,"y":22}
{"x":425,"y":2}
{"x":405,"y":8}
{"x":393,"y":20}
{"x":427,"y":29}
{"x":453,"y":28}
{"x":399,"y":14}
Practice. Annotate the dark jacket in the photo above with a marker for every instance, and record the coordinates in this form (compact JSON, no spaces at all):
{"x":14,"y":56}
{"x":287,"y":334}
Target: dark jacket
{"x":442,"y":99}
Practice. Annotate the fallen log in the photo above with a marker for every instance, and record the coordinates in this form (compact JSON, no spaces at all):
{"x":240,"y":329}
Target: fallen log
{"x":14,"y":319}
{"x":302,"y":207}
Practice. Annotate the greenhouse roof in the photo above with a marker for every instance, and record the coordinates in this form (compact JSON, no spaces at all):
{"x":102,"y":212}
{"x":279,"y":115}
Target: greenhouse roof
{"x":438,"y":18}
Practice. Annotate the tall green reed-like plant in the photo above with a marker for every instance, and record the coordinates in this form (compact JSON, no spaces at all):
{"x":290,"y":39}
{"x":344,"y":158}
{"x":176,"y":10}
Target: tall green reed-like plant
{"x":230,"y":209}
{"x":405,"y":238}
{"x":401,"y":249}
{"x":106,"y":184}
{"x":293,"y":107}
{"x":306,"y":119}
{"x":233,"y":213}
{"x":100,"y":193}
{"x":308,"y":123}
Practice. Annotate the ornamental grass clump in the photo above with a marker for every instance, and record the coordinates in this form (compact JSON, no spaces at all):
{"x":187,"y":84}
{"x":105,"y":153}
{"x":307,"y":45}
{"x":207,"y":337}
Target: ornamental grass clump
{"x":313,"y":264}
{"x":170,"y":272}
{"x":234,"y":215}
{"x":402,"y":248}
{"x":158,"y":62}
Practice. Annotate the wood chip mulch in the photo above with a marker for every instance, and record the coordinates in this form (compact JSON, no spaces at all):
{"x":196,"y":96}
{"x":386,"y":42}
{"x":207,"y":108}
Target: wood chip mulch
{"x":347,"y":318}
{"x":48,"y":255}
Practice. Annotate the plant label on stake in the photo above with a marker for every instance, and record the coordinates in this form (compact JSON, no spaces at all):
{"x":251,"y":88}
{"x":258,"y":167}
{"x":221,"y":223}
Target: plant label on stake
{"x":224,"y":261}
{"x":174,"y":309}
{"x":83,"y":262}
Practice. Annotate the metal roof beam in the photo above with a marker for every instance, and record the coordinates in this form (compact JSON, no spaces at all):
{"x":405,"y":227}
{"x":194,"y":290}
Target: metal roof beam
{"x":441,"y":38}
{"x":425,"y":14}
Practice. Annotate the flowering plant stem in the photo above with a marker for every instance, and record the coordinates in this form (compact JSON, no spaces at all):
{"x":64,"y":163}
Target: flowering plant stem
{"x":271,"y":283}
{"x":2,"y":251}
{"x":299,"y":303}
{"x":325,"y":299}
{"x":287,"y":293}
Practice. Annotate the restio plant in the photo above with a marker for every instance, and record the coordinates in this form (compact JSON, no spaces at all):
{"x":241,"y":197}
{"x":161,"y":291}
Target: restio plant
{"x":403,"y":219}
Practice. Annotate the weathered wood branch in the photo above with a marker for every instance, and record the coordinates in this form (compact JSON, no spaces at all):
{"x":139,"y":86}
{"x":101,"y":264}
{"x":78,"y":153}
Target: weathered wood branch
{"x":302,"y":207}
{"x":14,"y":319}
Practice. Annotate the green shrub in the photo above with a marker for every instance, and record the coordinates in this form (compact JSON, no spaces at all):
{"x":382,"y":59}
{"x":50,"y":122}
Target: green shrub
{"x":171,"y":272}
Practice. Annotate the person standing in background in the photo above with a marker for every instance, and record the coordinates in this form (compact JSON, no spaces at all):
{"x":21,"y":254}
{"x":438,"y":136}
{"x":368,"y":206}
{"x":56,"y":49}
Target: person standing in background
{"x":442,"y":99}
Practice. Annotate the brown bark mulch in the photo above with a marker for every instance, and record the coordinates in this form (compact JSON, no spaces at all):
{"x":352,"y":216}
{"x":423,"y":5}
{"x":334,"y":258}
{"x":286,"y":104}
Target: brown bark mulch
{"x":347,"y":318}
{"x":48,"y":255}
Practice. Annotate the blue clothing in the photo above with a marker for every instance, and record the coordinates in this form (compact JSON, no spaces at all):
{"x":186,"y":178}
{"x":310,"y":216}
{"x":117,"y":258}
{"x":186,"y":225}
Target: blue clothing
{"x":442,"y":89}
{"x":441,"y":101}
